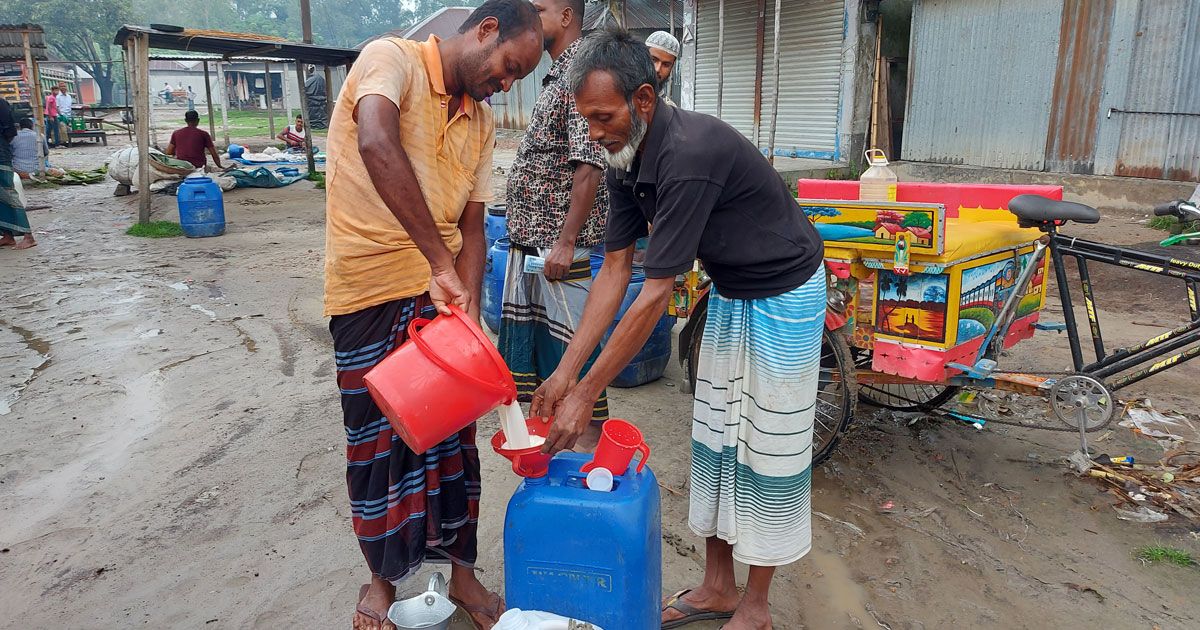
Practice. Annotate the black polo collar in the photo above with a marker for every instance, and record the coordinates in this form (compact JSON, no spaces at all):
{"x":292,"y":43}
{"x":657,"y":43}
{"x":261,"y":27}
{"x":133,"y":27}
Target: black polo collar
{"x":652,"y":145}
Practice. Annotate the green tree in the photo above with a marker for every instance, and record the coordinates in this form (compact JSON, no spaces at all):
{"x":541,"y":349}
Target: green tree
{"x":917,"y":220}
{"x":82,"y":31}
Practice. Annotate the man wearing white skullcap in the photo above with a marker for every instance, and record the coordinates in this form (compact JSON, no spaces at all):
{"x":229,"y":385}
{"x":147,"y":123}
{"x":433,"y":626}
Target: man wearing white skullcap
{"x":664,"y":52}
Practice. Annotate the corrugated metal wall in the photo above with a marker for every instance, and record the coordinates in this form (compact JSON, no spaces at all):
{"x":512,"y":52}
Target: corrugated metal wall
{"x":1084,"y":38}
{"x":514,"y":107}
{"x":811,"y":42}
{"x":981,"y":77}
{"x":1107,"y":87}
{"x":1165,"y":79}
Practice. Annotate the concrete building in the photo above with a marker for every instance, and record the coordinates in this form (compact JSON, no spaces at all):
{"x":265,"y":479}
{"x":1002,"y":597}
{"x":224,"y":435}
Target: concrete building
{"x":1103,"y":87}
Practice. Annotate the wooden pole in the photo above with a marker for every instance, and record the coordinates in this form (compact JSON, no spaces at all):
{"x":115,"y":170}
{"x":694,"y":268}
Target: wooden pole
{"x":720,"y":55}
{"x":306,"y":27}
{"x":287,"y":104}
{"x":328,"y":95}
{"x":212,"y":127}
{"x":312,"y":161}
{"x":270,"y":112}
{"x":39,"y":104}
{"x":875,"y":86}
{"x":775,"y":94}
{"x":224,"y":96}
{"x":138,"y":52}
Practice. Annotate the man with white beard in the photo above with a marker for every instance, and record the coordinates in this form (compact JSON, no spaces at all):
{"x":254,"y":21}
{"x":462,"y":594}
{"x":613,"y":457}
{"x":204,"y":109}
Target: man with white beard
{"x":709,"y":194}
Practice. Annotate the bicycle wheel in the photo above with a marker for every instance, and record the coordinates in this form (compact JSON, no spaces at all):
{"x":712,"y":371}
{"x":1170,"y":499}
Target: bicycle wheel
{"x":902,"y":396}
{"x":835,"y":390}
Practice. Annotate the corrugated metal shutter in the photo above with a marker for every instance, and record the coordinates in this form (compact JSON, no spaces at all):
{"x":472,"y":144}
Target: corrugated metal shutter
{"x":514,"y":108}
{"x":810,"y":77}
{"x":741,"y":30}
{"x":811,"y":34}
{"x":1165,"y":78}
{"x":982,"y":74}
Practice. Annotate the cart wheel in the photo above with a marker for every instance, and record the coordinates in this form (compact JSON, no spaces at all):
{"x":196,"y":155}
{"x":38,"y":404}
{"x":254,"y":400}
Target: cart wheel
{"x":835,"y":390}
{"x":903,"y":396}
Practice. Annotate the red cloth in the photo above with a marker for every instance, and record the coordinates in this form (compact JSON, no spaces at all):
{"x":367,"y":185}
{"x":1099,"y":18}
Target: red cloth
{"x":51,"y":108}
{"x":190,"y":144}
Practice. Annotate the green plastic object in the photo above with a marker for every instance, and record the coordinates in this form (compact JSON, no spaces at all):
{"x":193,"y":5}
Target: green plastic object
{"x":1178,"y":238}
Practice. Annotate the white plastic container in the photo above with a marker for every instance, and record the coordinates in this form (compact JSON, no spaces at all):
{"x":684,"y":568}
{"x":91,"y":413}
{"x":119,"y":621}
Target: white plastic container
{"x":878,"y":182}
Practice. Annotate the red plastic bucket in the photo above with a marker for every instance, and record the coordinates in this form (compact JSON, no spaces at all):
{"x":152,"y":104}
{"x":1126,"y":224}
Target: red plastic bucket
{"x":526,"y":462}
{"x":619,"y":440}
{"x":442,"y":379}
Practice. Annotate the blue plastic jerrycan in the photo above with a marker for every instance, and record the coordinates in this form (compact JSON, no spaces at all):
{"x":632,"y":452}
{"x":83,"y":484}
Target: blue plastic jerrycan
{"x":201,"y":207}
{"x":588,"y":555}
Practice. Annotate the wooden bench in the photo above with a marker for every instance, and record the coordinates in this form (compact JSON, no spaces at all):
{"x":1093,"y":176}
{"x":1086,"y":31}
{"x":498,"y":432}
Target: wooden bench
{"x":90,"y":134}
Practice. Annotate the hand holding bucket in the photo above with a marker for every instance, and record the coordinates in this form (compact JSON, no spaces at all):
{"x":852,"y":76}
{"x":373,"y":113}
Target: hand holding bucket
{"x":619,"y":440}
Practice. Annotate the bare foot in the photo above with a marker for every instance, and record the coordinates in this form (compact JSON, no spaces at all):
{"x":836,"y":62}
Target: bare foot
{"x":25,"y":243}
{"x":587,"y":442}
{"x":377,"y":598}
{"x":705,"y":599}
{"x":7,"y":241}
{"x":751,"y":616}
{"x":484,"y":606}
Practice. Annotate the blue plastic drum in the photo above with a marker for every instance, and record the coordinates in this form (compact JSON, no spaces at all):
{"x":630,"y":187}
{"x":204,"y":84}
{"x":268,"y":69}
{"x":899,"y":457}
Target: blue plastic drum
{"x":201,"y":207}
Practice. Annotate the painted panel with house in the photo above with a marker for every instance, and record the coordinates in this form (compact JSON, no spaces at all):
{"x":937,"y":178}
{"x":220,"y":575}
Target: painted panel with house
{"x":875,"y":226}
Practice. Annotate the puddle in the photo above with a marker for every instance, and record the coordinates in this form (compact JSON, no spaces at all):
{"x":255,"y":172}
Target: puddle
{"x":28,"y":355}
{"x":179,"y":286}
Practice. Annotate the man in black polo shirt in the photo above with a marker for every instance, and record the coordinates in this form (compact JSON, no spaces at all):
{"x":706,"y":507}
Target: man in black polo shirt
{"x":708,"y":193}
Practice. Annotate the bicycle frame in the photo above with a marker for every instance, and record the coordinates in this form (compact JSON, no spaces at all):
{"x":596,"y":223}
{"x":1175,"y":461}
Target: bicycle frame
{"x":1107,"y":364}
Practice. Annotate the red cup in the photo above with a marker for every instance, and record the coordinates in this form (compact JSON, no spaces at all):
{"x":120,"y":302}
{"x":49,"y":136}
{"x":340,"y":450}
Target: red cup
{"x":619,"y":440}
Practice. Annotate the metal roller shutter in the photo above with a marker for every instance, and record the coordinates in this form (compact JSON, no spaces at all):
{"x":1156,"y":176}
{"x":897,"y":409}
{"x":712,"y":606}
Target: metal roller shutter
{"x":811,"y":35}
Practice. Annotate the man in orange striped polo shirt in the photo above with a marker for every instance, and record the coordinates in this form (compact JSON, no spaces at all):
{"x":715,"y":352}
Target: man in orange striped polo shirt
{"x":410,"y":162}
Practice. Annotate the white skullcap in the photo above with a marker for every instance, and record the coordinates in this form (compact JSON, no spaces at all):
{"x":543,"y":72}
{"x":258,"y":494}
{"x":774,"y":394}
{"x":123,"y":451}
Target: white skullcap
{"x":665,"y":42}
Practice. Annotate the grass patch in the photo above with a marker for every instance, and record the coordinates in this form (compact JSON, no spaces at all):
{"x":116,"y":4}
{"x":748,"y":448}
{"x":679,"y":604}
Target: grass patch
{"x":980,"y":314}
{"x":1028,"y":304}
{"x":1172,"y":225}
{"x":1170,"y":555}
{"x":155,"y":229}
{"x":244,"y":124}
{"x":319,"y":178}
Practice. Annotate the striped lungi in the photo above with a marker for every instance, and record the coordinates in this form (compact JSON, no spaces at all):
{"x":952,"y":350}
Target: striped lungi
{"x":756,"y":393}
{"x":406,"y":508}
{"x":539,"y":319}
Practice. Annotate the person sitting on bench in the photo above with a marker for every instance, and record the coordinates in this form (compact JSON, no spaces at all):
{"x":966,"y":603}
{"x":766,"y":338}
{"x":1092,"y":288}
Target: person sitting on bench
{"x":293,"y":135}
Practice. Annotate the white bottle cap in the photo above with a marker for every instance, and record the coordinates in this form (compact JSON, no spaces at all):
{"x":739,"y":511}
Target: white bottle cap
{"x":600,"y":479}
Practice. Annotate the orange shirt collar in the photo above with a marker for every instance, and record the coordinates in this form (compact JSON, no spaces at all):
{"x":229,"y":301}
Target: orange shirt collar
{"x":433,"y":66}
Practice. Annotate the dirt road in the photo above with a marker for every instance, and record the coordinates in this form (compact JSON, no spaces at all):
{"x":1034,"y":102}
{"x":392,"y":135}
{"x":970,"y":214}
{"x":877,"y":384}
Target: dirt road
{"x":173,"y":456}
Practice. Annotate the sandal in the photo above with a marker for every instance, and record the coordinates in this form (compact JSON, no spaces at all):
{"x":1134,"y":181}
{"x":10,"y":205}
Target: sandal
{"x":491,"y":611}
{"x":691,"y":614}
{"x":361,"y":608}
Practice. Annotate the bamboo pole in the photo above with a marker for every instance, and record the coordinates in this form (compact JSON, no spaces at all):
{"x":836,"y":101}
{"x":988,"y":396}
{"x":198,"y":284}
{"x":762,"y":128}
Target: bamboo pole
{"x":312,"y":162}
{"x":720,"y":55}
{"x":775,"y":96}
{"x":287,"y":103}
{"x":270,"y":111}
{"x":208,"y":99}
{"x":138,"y":50}
{"x":224,"y":96}
{"x":39,"y":103}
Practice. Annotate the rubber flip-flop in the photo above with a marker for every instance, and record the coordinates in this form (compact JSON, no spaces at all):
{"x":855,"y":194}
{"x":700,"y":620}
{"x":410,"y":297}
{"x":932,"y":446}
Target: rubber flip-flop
{"x":361,"y":608}
{"x":491,"y":611}
{"x":691,"y":614}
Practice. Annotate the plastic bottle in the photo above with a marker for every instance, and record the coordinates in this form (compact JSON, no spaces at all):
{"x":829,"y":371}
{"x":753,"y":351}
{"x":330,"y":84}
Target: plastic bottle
{"x":877,"y":183}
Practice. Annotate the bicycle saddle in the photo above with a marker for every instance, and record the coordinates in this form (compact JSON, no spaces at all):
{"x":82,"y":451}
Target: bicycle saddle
{"x":1036,"y":210}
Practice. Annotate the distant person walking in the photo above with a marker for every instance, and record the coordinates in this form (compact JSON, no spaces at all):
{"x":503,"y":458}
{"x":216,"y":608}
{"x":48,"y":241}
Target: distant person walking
{"x":191,"y":98}
{"x":65,"y":103}
{"x":13,"y":220}
{"x":50,"y":109}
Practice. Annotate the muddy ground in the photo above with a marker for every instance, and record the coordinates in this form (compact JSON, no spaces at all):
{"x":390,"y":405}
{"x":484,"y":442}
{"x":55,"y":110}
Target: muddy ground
{"x":173,"y":453}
